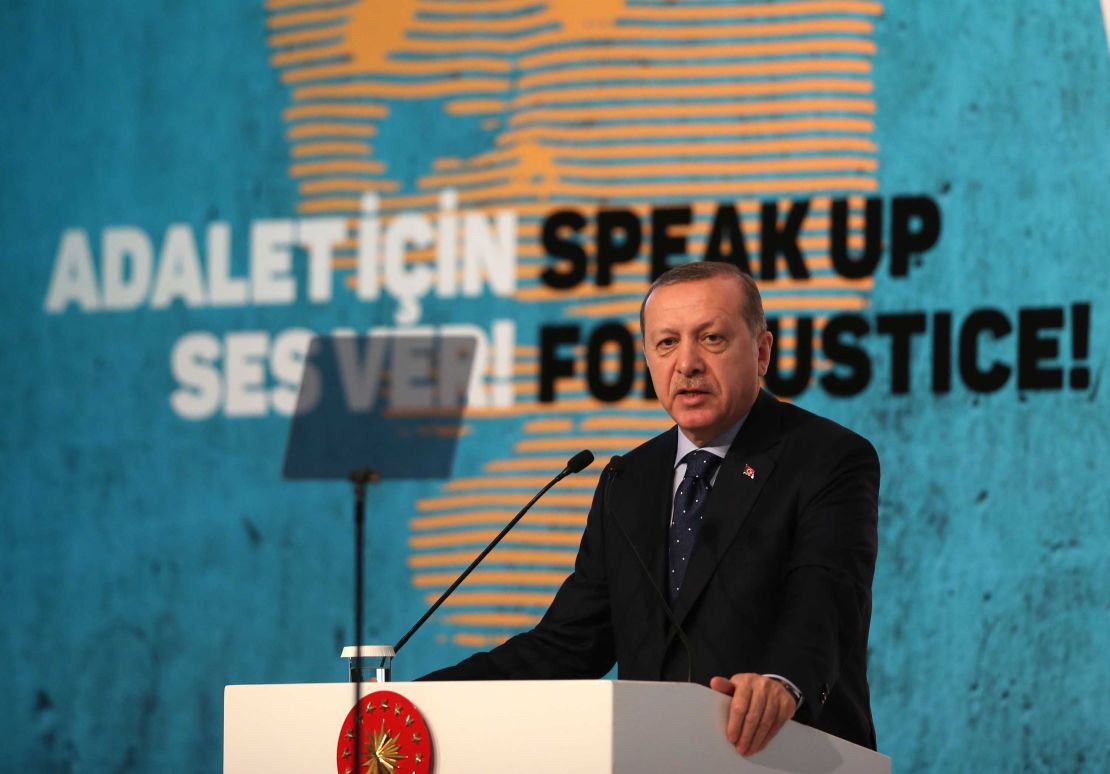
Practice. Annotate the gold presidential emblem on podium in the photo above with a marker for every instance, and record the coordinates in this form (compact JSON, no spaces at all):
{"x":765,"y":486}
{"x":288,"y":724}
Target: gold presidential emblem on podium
{"x":394,"y":737}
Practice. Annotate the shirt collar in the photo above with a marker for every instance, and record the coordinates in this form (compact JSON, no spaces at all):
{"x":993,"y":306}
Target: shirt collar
{"x":718,"y":445}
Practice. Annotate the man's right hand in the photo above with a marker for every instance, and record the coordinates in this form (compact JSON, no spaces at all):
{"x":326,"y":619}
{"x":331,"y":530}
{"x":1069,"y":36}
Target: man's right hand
{"x":759,"y":709}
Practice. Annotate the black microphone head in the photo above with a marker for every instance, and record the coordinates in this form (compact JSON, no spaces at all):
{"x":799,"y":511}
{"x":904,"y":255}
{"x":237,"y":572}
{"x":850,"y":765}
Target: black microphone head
{"x":615,"y":464}
{"x":579,"y":461}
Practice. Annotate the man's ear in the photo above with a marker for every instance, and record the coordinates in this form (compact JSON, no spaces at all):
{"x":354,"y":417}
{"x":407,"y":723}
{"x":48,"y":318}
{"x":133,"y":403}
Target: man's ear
{"x":764,"y":342}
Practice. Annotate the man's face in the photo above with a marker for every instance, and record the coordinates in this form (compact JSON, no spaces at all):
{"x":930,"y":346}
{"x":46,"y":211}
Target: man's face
{"x":704,"y":361}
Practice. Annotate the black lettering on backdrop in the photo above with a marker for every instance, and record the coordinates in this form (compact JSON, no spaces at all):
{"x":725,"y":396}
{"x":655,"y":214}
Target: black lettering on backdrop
{"x":1034,"y":349}
{"x":901,"y":328}
{"x":1080,"y":377}
{"x":914,"y":228}
{"x":664,"y":244}
{"x":559,"y":360}
{"x":978,"y":322}
{"x":942,"y":352}
{"x":915,"y":225}
{"x":613,"y":389}
{"x":865,"y":264}
{"x":1034,"y":355}
{"x":853,"y":378}
{"x":610,"y":249}
{"x":977,"y":351}
{"x":726,"y":229}
{"x":802,"y":371}
{"x":552,"y":364}
{"x":988,"y":357}
{"x":775,"y":241}
{"x":558,"y":244}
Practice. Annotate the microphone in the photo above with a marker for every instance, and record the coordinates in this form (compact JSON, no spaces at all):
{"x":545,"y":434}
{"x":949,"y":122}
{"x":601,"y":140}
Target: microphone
{"x":574,"y":465}
{"x":613,"y":469}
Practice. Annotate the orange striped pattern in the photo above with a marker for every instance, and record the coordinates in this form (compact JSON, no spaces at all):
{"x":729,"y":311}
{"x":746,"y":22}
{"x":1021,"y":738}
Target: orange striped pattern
{"x":584,"y":104}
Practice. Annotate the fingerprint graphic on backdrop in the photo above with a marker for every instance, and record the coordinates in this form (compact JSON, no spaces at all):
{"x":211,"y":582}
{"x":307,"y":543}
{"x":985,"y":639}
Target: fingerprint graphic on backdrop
{"x":537,"y":106}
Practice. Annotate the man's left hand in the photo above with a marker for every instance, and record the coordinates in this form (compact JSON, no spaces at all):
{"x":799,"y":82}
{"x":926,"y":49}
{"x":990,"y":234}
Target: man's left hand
{"x":760,"y":706}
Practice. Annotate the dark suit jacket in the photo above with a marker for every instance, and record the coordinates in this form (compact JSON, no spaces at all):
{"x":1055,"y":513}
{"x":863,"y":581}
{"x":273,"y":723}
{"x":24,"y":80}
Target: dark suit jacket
{"x":779,"y":581}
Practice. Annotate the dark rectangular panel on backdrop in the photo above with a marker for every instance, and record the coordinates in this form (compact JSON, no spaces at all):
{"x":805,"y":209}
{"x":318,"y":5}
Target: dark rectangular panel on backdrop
{"x":391,"y":402}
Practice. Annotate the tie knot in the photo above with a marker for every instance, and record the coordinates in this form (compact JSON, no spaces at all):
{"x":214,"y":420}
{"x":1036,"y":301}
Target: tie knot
{"x":700,"y":464}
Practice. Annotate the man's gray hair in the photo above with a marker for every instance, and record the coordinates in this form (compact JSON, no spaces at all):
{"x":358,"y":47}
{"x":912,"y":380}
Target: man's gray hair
{"x":752,"y":311}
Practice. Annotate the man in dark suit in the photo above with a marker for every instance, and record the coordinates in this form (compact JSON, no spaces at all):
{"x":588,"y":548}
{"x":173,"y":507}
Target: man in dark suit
{"x":756,"y":520}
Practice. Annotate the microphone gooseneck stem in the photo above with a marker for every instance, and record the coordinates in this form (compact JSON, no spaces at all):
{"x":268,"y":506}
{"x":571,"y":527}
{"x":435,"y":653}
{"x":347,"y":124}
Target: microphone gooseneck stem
{"x":359,"y":478}
{"x":577,"y":463}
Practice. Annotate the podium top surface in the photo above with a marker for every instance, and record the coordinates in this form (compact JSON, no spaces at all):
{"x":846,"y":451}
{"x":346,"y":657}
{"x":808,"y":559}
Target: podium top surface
{"x":539,"y":726}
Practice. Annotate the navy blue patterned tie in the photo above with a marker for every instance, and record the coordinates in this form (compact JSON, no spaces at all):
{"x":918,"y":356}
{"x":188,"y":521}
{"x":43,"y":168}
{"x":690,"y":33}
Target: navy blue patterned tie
{"x":689,"y":507}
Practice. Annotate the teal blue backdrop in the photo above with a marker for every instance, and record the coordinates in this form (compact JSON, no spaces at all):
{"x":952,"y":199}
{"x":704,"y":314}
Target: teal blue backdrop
{"x":151,"y":551}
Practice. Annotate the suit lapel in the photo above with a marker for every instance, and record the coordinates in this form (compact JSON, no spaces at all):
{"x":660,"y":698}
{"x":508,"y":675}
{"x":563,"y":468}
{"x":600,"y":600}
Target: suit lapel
{"x":646,"y":519}
{"x":744,"y":470}
{"x":645,"y":512}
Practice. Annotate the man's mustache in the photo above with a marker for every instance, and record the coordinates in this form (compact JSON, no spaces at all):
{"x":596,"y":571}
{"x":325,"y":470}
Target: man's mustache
{"x":690,"y":385}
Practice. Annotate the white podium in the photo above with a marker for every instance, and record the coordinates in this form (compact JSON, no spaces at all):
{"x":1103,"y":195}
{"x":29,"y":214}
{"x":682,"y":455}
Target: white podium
{"x":584,"y":726}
